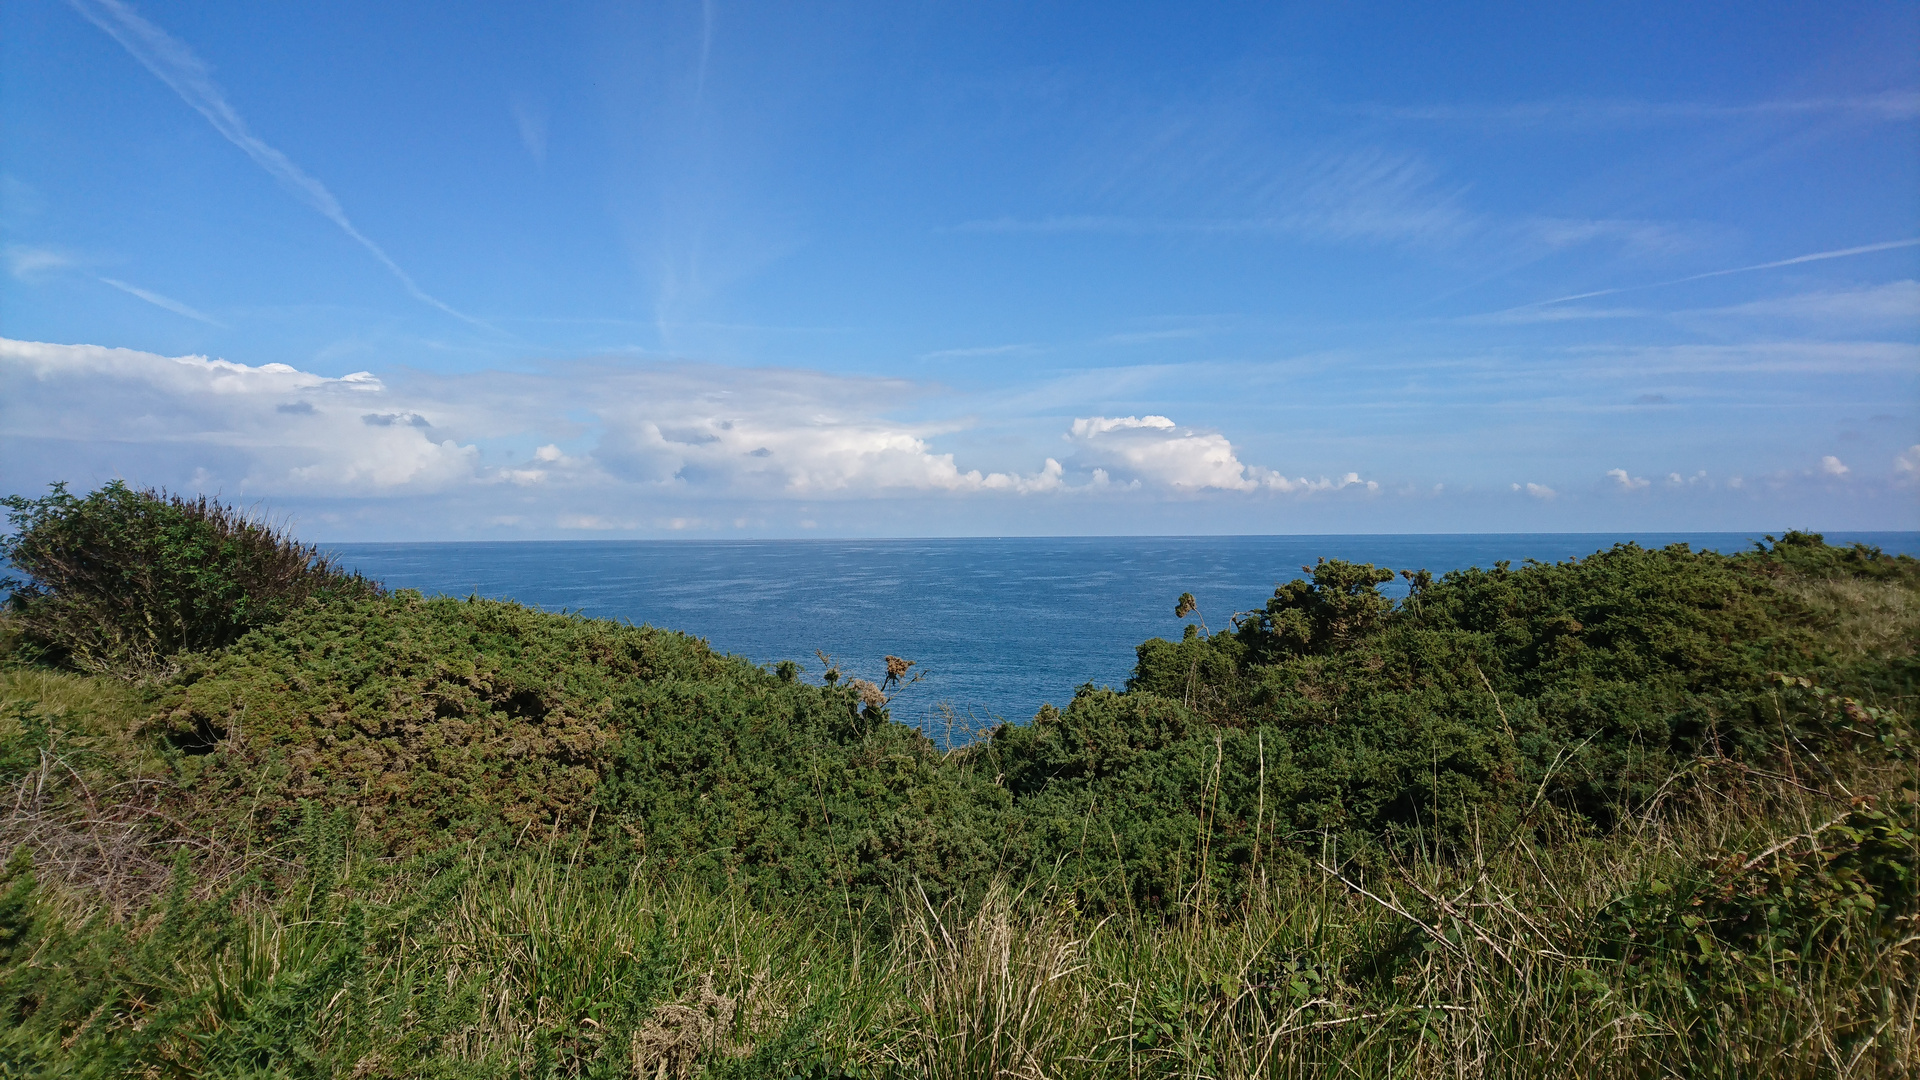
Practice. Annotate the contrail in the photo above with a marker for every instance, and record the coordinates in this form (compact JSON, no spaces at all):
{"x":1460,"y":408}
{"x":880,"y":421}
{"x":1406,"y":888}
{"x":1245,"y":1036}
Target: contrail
{"x":177,"y":66}
{"x":166,"y":302}
{"x":1815,"y":257}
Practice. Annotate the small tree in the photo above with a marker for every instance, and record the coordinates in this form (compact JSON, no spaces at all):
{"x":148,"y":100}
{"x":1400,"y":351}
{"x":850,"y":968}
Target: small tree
{"x":1340,"y":605}
{"x":121,"y":580}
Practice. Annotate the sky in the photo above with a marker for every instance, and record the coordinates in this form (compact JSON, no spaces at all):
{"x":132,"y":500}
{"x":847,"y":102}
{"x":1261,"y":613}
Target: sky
{"x":402,"y":271}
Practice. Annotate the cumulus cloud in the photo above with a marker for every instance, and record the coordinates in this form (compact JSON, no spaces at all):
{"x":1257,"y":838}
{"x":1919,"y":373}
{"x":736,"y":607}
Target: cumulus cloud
{"x":266,"y":428}
{"x":1907,"y":465}
{"x":780,"y":432}
{"x":1627,"y":482}
{"x":1833,"y":466}
{"x":1155,"y":451}
{"x":586,"y":433}
{"x":790,"y":441}
{"x":1537,"y":491}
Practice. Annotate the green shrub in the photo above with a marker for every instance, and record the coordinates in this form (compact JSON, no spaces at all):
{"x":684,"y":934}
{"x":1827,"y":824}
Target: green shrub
{"x":1333,"y":715}
{"x":440,"y":720}
{"x":1732,"y":943}
{"x":123,"y":581}
{"x":1466,"y":711}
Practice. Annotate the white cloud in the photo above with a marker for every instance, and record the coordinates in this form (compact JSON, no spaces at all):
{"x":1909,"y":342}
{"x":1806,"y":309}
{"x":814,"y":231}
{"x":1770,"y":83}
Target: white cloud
{"x":684,"y":428}
{"x":599,"y":445}
{"x":782,"y":432}
{"x":1817,"y":256}
{"x":1833,"y":466}
{"x":1370,"y":194}
{"x":1634,"y":235}
{"x":1537,"y":491}
{"x":283,"y":430}
{"x":980,"y":350}
{"x":1907,"y":464}
{"x":1759,"y":357}
{"x":594,"y":522}
{"x":631,"y":431}
{"x":1890,"y":302}
{"x":1153,"y":451}
{"x":1531,"y":315}
{"x":1626,"y":482}
{"x":531,"y":121}
{"x":1373,"y":195}
{"x":27,"y":262}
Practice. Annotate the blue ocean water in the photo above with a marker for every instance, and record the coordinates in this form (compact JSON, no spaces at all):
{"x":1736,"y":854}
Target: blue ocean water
{"x":995,"y":626}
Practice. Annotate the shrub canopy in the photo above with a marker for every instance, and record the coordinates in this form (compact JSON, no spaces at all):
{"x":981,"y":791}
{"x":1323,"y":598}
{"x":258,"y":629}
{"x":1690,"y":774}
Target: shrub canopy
{"x":1333,"y":717}
{"x":123,"y":581}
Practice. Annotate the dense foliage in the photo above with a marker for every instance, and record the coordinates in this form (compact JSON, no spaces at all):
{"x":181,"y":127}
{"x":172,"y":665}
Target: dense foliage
{"x":1486,"y":697}
{"x":1651,"y":806}
{"x":444,"y":720}
{"x":122,"y":580}
{"x":1332,"y":717}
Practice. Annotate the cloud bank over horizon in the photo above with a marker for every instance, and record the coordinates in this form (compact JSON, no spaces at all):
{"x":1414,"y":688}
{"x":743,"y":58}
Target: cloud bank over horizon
{"x":642,"y":448}
{"x":585,"y":432}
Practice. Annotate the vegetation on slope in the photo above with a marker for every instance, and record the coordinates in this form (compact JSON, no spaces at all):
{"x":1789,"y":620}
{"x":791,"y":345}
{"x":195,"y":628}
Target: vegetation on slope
{"x":443,"y":720}
{"x":1646,"y":812}
{"x":120,"y":581}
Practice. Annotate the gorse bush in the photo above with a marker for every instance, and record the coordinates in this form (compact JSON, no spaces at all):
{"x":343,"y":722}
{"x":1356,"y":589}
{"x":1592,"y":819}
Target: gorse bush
{"x":443,"y":720}
{"x":1485,"y":701}
{"x":1332,"y":719}
{"x":123,"y":581}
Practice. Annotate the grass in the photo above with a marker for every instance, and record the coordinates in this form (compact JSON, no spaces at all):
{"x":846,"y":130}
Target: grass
{"x":92,"y":704}
{"x":1871,"y":620}
{"x":512,"y":962}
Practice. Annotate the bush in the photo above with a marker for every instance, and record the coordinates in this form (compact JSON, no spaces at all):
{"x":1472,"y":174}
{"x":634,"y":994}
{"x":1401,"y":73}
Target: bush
{"x":122,"y":581}
{"x":1465,"y":711}
{"x":1485,"y":701}
{"x":441,"y":720}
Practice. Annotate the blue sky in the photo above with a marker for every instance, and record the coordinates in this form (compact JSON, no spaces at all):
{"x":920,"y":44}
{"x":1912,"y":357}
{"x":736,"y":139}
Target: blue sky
{"x":496,"y":271}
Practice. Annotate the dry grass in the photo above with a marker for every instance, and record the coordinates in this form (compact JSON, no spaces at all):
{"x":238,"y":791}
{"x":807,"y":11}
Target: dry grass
{"x":1477,"y":966}
{"x":998,"y":994}
{"x":1874,"y":620}
{"x":1474,"y":967}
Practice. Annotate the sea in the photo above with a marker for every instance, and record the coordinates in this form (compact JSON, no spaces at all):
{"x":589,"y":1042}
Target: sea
{"x":994,"y":626}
